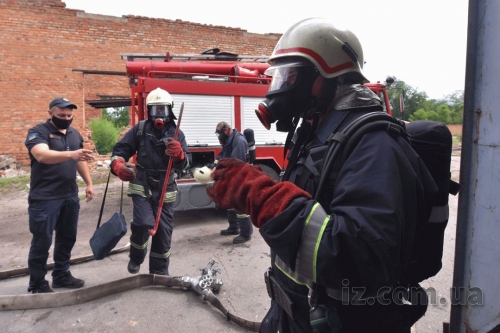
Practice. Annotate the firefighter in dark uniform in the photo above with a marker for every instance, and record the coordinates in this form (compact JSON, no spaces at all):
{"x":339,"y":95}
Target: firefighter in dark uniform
{"x":153,"y":142}
{"x":234,"y":145}
{"x":335,"y":260}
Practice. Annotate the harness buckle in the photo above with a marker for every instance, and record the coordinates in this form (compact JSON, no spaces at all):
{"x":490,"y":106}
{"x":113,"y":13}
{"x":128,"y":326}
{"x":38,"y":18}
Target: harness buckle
{"x":312,"y":296}
{"x":154,"y":183}
{"x":277,"y":294}
{"x":267,"y":274}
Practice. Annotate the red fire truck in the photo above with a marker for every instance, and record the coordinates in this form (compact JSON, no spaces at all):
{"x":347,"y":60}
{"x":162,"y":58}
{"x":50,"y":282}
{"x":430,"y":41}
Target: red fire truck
{"x":214,"y":86}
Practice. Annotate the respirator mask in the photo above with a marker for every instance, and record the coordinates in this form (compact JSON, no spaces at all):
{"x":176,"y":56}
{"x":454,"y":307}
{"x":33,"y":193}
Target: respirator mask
{"x":221,"y":135}
{"x":289,"y":95}
{"x":159,"y":115}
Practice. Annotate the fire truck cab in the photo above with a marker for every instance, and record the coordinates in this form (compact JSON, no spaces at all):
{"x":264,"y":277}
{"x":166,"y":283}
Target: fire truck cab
{"x":214,"y":86}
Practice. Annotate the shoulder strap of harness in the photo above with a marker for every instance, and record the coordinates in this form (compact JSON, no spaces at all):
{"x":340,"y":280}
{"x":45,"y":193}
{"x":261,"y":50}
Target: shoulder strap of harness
{"x":342,"y":143}
{"x":140,"y":136}
{"x":232,"y":141}
{"x":140,"y":132}
{"x":330,"y":124}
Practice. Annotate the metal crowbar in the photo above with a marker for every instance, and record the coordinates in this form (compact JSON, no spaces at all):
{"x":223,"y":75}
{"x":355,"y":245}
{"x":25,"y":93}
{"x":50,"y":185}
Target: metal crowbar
{"x":152,"y":232}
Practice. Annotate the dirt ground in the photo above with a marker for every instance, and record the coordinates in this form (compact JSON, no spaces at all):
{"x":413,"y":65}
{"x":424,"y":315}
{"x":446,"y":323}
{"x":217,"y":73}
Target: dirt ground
{"x":14,"y":229}
{"x":196,"y":240}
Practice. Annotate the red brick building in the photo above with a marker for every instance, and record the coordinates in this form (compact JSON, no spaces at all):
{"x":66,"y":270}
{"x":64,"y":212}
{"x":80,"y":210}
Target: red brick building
{"x":44,"y":46}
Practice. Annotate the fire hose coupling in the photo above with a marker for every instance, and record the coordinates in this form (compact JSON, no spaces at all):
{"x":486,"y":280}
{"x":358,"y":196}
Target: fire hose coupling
{"x":206,"y":281}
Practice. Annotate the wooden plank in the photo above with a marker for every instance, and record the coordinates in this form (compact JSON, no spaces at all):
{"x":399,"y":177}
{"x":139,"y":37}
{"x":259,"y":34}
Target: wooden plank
{"x":7,"y":162}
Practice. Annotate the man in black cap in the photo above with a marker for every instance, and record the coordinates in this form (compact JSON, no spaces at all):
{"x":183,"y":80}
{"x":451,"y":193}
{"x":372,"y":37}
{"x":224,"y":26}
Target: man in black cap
{"x":57,"y":154}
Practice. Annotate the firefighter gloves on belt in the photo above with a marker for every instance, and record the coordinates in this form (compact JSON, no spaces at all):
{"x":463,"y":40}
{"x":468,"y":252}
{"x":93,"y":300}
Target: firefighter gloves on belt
{"x":174,"y":150}
{"x":244,"y":187}
{"x":124,"y":171}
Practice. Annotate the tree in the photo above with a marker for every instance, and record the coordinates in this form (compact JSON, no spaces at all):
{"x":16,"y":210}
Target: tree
{"x":417,"y":105}
{"x":420,"y":114}
{"x":104,"y":134}
{"x":456,"y":103}
{"x":456,"y":98}
{"x":119,"y":116}
{"x":413,"y":99}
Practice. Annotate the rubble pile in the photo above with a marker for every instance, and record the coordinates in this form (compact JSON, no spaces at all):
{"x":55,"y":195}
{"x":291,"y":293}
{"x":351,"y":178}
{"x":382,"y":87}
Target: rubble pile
{"x":8,"y":167}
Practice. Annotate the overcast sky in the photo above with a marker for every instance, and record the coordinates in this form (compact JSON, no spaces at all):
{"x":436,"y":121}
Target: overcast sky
{"x":421,"y":42}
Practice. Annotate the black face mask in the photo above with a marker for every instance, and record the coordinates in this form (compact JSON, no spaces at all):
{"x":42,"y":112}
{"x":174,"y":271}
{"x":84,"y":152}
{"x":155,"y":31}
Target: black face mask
{"x":283,"y":106}
{"x":61,"y":123}
{"x":222,"y":136}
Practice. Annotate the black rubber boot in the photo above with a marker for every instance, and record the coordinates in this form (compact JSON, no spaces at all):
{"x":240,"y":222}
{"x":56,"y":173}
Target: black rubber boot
{"x":133,"y":267}
{"x":67,"y":280}
{"x":241,"y":239}
{"x":233,"y":224}
{"x":230,"y":231}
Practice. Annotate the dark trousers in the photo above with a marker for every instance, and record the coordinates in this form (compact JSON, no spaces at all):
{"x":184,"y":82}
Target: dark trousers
{"x":237,"y":220}
{"x":341,"y":316}
{"x":357,"y":319}
{"x":276,"y":320}
{"x":144,"y":219}
{"x":45,"y":217}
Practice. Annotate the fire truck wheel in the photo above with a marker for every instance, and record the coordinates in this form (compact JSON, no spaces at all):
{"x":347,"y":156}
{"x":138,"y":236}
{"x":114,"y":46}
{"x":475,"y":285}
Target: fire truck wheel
{"x":269,"y":171}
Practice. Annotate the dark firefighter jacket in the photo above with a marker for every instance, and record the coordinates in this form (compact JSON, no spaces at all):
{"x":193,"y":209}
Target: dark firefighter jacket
{"x":359,"y":236}
{"x":151,"y":165}
{"x":236,"y":146}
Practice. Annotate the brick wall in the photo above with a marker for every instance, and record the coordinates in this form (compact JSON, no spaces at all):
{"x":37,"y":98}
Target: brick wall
{"x":42,"y":42}
{"x":455,"y":129}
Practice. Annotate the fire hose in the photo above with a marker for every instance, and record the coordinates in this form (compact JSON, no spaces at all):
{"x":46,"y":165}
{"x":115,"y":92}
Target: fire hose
{"x":24,"y":271}
{"x":205,"y":285}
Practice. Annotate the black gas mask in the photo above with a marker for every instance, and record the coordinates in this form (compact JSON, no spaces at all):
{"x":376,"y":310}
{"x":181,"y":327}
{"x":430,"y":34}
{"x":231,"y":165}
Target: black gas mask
{"x":160,"y":115}
{"x":221,"y":135}
{"x":289,"y":95}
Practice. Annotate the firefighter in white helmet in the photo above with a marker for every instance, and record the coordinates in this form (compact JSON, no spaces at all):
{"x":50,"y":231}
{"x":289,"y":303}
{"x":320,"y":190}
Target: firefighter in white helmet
{"x":153,"y":142}
{"x":333,"y":252}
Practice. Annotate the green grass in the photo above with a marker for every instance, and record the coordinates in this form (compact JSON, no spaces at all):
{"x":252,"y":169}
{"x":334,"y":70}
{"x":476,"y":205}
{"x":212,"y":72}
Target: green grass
{"x":99,"y":177}
{"x":17,"y":183}
{"x":457,"y":139}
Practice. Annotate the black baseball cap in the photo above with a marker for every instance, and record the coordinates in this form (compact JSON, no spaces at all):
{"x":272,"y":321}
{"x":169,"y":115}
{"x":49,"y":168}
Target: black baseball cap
{"x":62,"y":103}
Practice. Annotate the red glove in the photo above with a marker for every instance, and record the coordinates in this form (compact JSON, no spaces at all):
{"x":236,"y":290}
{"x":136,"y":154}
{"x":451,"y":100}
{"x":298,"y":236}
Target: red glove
{"x":124,"y":171}
{"x":246,"y":188}
{"x":174,"y":150}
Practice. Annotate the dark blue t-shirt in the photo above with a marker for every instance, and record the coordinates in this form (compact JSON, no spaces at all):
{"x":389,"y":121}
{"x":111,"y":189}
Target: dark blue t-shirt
{"x":53,"y":181}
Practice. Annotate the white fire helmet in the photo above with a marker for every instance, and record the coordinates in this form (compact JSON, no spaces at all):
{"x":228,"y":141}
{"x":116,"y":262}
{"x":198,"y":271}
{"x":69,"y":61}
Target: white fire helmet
{"x":159,"y":97}
{"x":332,"y":51}
{"x":203,"y":175}
{"x":160,"y":106}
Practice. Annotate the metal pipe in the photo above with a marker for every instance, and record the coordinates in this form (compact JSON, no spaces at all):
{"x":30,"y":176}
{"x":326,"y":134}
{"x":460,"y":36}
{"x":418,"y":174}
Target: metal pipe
{"x":142,"y":68}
